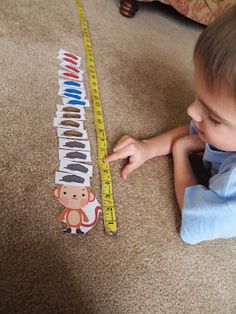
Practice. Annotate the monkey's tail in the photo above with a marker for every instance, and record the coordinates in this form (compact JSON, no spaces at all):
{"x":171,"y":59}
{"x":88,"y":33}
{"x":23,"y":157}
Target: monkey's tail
{"x":97,"y":209}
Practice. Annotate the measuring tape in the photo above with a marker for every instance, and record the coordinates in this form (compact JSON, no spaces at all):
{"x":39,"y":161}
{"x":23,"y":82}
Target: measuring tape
{"x":106,"y":181}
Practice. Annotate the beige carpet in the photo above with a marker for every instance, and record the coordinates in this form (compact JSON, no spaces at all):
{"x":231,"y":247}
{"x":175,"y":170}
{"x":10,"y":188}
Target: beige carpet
{"x":144,"y":66}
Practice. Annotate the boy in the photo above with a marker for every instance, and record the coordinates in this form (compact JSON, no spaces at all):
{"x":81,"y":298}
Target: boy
{"x":208,"y":212}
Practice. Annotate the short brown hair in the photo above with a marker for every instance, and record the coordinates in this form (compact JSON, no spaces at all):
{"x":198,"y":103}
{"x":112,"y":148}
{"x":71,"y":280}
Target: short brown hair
{"x":215,"y":52}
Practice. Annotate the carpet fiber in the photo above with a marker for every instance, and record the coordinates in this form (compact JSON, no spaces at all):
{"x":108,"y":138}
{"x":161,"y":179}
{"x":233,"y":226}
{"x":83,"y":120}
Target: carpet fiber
{"x":144,"y":68}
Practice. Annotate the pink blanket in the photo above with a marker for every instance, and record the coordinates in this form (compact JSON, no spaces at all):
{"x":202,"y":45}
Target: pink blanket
{"x":202,"y":11}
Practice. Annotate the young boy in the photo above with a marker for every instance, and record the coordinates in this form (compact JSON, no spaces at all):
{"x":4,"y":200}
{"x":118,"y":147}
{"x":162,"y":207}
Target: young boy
{"x":208,"y":212}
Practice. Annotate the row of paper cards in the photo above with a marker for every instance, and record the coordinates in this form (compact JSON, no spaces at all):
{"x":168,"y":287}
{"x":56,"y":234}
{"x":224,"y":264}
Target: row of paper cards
{"x":81,"y":208}
{"x":74,"y":146}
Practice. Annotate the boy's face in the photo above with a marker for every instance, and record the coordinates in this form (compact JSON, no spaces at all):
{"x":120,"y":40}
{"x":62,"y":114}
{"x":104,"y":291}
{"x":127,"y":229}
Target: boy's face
{"x":214,"y":115}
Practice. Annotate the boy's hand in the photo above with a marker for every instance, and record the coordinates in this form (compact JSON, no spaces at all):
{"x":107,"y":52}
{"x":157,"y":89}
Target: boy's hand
{"x":134,"y":150}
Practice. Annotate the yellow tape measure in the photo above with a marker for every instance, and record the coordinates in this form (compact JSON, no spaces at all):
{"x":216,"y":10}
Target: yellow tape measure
{"x":106,"y":181}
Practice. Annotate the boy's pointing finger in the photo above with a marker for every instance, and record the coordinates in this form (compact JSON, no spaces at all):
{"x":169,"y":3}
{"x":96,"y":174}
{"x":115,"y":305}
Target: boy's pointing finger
{"x":125,"y":141}
{"x":121,"y":154}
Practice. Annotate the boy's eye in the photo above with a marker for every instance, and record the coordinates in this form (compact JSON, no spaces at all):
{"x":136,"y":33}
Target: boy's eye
{"x":213,"y":120}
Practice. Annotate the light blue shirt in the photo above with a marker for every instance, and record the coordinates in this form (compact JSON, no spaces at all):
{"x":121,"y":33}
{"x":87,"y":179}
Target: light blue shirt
{"x":210,"y":213}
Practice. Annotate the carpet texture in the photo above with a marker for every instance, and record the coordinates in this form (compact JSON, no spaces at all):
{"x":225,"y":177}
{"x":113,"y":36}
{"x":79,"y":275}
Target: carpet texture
{"x":144,"y":68}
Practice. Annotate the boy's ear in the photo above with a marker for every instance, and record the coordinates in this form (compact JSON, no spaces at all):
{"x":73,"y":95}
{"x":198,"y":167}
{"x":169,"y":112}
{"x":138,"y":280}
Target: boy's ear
{"x":91,"y":196}
{"x":56,"y":191}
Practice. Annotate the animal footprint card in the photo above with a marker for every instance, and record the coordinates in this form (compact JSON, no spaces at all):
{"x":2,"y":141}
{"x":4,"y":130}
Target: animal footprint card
{"x":74,"y":108}
{"x":82,"y":210}
{"x":62,"y":54}
{"x":69,"y":133}
{"x":63,"y":91}
{"x":69,"y":123}
{"x":72,"y":100}
{"x":70,"y":84}
{"x":76,"y":94}
{"x":75,"y":167}
{"x":67,"y":74}
{"x":83,"y":156}
{"x":71,"y":68}
{"x":72,"y":179}
{"x":65,"y":143}
{"x":74,"y":115}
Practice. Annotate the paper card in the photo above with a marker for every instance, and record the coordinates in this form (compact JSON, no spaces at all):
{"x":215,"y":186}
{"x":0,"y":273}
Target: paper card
{"x":82,"y":210}
{"x":74,"y":108}
{"x":71,"y":68}
{"x":73,"y":144}
{"x":70,"y":92}
{"x":68,"y":133}
{"x":70,"y":123}
{"x":71,"y":89}
{"x":77,"y":77}
{"x":70,"y":84}
{"x":73,"y":96}
{"x":73,"y":101}
{"x":69,"y":61}
{"x":74,"y":115}
{"x":83,"y":156}
{"x":68,"y":54}
{"x":75,"y":167}
{"x":72,"y":179}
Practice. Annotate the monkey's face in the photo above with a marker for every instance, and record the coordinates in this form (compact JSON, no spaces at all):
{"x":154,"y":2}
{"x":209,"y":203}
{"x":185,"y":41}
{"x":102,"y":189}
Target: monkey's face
{"x":74,"y":197}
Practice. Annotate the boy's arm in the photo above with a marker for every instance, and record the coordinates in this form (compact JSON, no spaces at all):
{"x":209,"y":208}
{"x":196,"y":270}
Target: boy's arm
{"x":162,"y":145}
{"x":183,"y":173}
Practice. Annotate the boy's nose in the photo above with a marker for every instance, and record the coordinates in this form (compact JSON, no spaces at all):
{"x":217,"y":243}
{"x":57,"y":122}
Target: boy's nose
{"x":195,"y":112}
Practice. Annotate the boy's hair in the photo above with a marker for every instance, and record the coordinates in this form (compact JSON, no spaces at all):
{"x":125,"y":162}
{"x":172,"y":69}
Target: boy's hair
{"x":215,"y":53}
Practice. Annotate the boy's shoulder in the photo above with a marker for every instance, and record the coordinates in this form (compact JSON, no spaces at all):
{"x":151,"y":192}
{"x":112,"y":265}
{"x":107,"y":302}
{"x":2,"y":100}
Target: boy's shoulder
{"x":210,"y":213}
{"x":224,"y":182}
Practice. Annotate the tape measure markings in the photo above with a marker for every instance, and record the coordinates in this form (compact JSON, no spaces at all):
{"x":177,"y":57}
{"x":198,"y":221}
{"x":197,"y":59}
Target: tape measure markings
{"x":106,"y":180}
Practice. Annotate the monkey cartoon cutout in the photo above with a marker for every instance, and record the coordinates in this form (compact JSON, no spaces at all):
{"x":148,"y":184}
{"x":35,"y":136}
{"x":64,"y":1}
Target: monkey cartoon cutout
{"x":81,"y":212}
